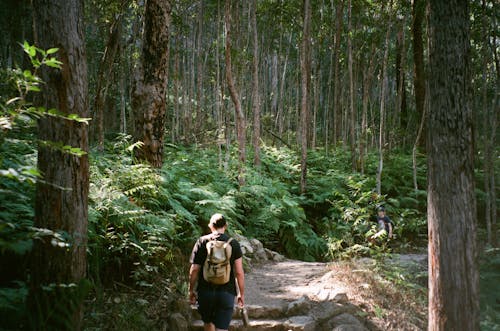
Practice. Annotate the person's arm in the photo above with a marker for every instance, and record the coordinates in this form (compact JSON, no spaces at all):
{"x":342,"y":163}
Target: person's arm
{"x":390,"y":229}
{"x":240,"y":279}
{"x":193,"y":278}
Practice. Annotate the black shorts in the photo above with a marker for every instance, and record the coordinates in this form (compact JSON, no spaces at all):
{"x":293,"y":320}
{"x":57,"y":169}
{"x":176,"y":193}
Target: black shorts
{"x":216,"y":306}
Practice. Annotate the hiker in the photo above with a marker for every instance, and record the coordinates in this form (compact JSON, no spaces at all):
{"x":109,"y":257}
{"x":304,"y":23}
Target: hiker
{"x":385,"y":225}
{"x":216,"y":301}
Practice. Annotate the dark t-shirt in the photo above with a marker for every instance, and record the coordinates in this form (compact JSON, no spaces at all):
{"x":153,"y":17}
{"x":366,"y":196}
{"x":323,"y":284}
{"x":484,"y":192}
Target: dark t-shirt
{"x":199,"y":255}
{"x":383,"y":223}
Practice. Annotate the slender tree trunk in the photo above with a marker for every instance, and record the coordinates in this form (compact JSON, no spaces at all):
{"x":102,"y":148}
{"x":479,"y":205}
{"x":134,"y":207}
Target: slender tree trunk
{"x":316,"y":90}
{"x":280,"y":117}
{"x":400,"y":119}
{"x":61,"y":202}
{"x":418,"y":60}
{"x":489,"y":134}
{"x":423,"y":120}
{"x":352,"y":117}
{"x":328,"y":107}
{"x":274,"y":83}
{"x":381,"y":139}
{"x":453,"y":269}
{"x":337,"y":111}
{"x":367,"y":79}
{"x":149,"y":95}
{"x":103,"y":78}
{"x":255,"y":87}
{"x":200,"y":116}
{"x":176,"y":119}
{"x":240,"y":115}
{"x":123,"y":104}
{"x":305,"y":68}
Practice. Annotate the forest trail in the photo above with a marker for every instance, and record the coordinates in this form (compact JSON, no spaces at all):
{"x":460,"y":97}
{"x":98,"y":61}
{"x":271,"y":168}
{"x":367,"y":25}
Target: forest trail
{"x":296,"y":295}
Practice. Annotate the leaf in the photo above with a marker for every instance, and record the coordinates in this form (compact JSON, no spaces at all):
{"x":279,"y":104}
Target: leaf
{"x":13,"y":100}
{"x":52,"y":50}
{"x":53,"y":62}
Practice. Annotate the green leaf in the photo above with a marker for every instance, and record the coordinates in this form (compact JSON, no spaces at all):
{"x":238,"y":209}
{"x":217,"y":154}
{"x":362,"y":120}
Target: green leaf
{"x":53,"y":63}
{"x":52,"y":50}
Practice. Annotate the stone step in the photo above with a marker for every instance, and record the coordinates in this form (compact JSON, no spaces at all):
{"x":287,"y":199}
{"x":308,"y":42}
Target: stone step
{"x":295,"y":323}
{"x":253,"y":311}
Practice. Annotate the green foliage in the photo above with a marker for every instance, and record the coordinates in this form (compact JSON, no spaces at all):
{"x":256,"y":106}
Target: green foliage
{"x":489,"y":289}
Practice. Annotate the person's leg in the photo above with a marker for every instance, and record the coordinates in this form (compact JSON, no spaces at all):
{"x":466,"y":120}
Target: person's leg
{"x":224,"y":310}
{"x":209,"y":327}
{"x":206,"y":303}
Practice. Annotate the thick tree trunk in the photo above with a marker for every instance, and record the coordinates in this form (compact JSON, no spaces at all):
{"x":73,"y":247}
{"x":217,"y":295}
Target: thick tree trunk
{"x":418,"y":60}
{"x":103,"y":78}
{"x":453,"y":269}
{"x":149,"y":94}
{"x":240,"y":115}
{"x":62,"y":196}
{"x":255,"y":87}
{"x":305,"y":69}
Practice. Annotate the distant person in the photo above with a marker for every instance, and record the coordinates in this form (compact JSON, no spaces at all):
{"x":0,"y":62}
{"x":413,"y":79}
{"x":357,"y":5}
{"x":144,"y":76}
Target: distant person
{"x":385,"y":226}
{"x":215,"y":296}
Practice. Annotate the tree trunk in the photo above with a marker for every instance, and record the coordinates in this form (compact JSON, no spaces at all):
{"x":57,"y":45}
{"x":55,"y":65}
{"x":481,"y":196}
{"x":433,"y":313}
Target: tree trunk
{"x":255,"y":87}
{"x":62,"y":196}
{"x":274,"y":83}
{"x":453,"y":269}
{"x":200,"y":116}
{"x":418,"y":60}
{"x":123,"y":104}
{"x":305,"y":69}
{"x":240,"y":115}
{"x":400,"y":119}
{"x":489,"y":134}
{"x":149,"y":96}
{"x":352,"y":114}
{"x":337,"y":111}
{"x":367,"y":78}
{"x":103,"y":78}
{"x":381,"y":139}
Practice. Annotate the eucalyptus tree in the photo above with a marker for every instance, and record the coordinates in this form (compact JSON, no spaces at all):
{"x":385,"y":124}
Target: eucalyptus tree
{"x":149,"y":94}
{"x":453,"y":269}
{"x":62,"y":194}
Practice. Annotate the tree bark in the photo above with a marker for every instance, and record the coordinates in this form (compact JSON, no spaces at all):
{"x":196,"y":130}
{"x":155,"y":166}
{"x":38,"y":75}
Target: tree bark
{"x":255,"y":87}
{"x":352,"y":114}
{"x":305,"y":69}
{"x":400,"y":119}
{"x":200,"y":116}
{"x":240,"y":115}
{"x":367,"y":79}
{"x":62,"y":195}
{"x":418,"y":60}
{"x":103,"y":78}
{"x":453,"y":269}
{"x":149,"y":96}
{"x":381,"y":140}
{"x":337,"y":111}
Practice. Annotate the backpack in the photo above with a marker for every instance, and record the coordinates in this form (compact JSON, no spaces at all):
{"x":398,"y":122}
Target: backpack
{"x":217,"y":266}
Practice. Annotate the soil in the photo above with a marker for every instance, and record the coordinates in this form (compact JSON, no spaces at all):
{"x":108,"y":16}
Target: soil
{"x":385,"y":305}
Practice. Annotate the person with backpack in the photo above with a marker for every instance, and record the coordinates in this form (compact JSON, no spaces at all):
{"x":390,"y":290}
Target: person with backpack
{"x":217,"y":273}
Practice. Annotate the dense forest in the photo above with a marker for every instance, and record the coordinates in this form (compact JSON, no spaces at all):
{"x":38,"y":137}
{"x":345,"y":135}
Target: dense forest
{"x":125,"y":124}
